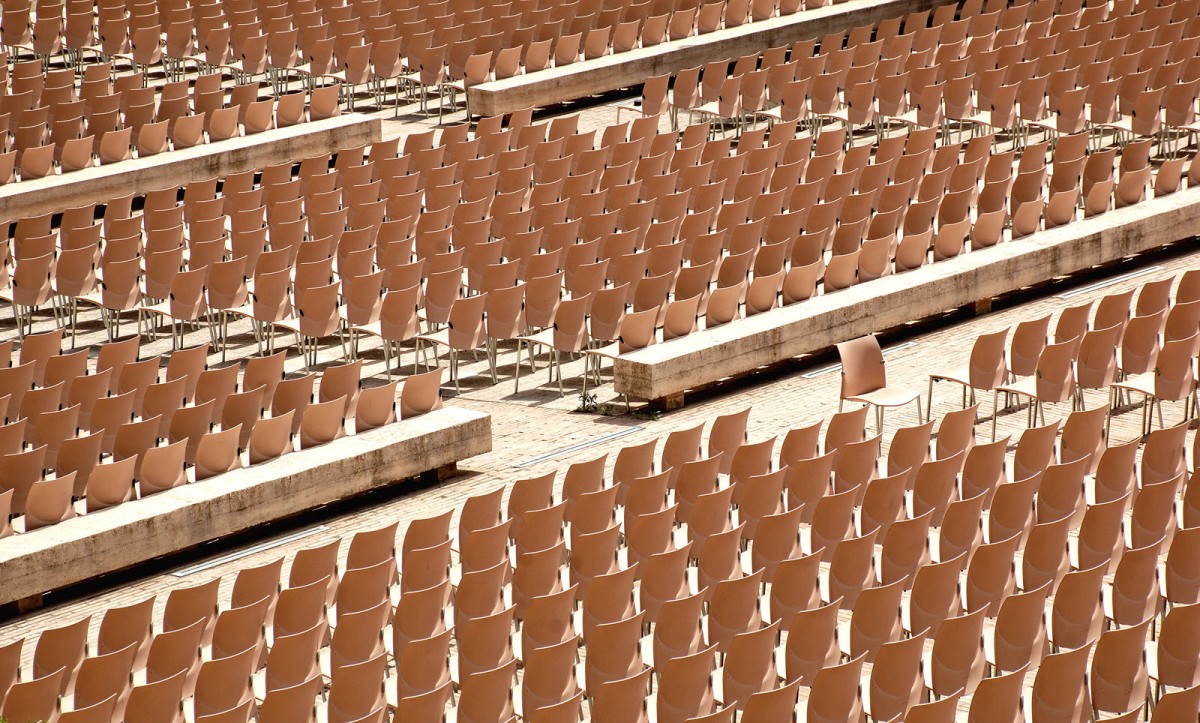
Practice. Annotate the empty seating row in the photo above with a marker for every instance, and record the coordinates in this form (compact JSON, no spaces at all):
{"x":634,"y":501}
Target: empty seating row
{"x":50,"y":123}
{"x":635,"y":213}
{"x":1147,"y":349}
{"x":728,"y":577}
{"x":962,"y":73}
{"x":366,"y":44}
{"x":80,"y":438}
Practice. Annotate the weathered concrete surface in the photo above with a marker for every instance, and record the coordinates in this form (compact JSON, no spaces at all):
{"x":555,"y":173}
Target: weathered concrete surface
{"x":622,"y":70}
{"x":123,"y":536}
{"x":175,"y":168}
{"x":664,"y":371}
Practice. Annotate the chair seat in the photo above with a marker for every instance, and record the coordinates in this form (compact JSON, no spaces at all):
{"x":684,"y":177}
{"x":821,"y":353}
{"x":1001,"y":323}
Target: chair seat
{"x":163,"y":308}
{"x":886,"y":397}
{"x":374,"y":327}
{"x":291,"y":324}
{"x":441,"y":336}
{"x":961,"y":375}
{"x":1025,"y":386}
{"x":608,"y":351}
{"x":1141,"y":383}
{"x":544,"y":337}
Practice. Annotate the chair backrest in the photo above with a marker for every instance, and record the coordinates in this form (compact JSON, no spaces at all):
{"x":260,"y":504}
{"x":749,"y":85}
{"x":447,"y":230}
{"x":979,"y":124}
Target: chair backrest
{"x":862,"y":366}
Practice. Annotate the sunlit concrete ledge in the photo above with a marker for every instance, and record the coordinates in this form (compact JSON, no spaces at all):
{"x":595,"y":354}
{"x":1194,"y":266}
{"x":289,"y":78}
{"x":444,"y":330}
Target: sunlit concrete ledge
{"x":99,"y":184}
{"x":663,"y":372}
{"x":120,"y":537}
{"x":622,"y":70}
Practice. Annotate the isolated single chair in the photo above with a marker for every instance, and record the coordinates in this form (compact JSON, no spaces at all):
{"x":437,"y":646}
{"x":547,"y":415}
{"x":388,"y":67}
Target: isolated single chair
{"x":864,"y":379}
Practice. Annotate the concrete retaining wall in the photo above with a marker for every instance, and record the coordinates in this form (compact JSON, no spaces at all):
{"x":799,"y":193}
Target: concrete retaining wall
{"x":123,"y":536}
{"x":623,"y":70}
{"x":665,"y":371}
{"x":99,"y":184}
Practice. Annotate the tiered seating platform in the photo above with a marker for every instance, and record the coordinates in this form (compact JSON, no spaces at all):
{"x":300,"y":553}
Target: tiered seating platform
{"x":86,"y":547}
{"x":664,"y":372}
{"x":622,"y":70}
{"x":179,"y":167}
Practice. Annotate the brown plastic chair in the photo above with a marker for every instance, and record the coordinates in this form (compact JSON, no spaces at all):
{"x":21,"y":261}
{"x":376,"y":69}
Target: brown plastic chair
{"x":549,"y":620}
{"x":165,"y":469}
{"x":1011,"y":510}
{"x":1118,"y":677}
{"x":1172,"y":379}
{"x":1181,"y":578}
{"x":622,"y":699}
{"x":1172,"y":657}
{"x":423,"y":706}
{"x":812,"y":643}
{"x":1177,"y":705}
{"x":105,"y":679}
{"x":934,"y":487}
{"x":484,"y":642}
{"x":834,"y":694}
{"x":895,"y":684}
{"x":358,"y":636}
{"x":62,"y":648}
{"x":217,"y":453}
{"x":271,"y":438}
{"x":157,"y":701}
{"x":49,"y":502}
{"x":1053,"y":381}
{"x":999,"y":697}
{"x":244,"y":409}
{"x":906,"y":542}
{"x":1140,"y":344}
{"x":356,"y":692}
{"x":293,"y":658}
{"x":733,"y":609}
{"x":984,"y":371}
{"x":661,"y":566}
{"x":956,"y":661}
{"x":537,"y":573}
{"x":685,"y":687}
{"x":487,"y":695}
{"x":188,"y":605}
{"x":776,"y":540}
{"x":172,"y":653}
{"x":1077,"y":614}
{"x":864,"y":379}
{"x":322,"y":423}
{"x":1044,"y":558}
{"x":910,"y":448}
{"x":934,"y":596}
{"x":1035,"y":451}
{"x":550,"y":679}
{"x":678,"y":630}
{"x":224,"y":684}
{"x":567,"y":334}
{"x":35,"y":699}
{"x":875,"y":620}
{"x":1060,"y":687}
{"x":19,"y":472}
{"x":851,"y":568}
{"x":990,"y":574}
{"x":956,"y":433}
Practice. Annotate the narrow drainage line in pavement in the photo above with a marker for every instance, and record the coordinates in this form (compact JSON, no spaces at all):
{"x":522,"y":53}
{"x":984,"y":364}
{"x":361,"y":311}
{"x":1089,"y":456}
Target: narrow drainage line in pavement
{"x":1107,"y":282}
{"x":247,"y":552}
{"x":576,"y":447}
